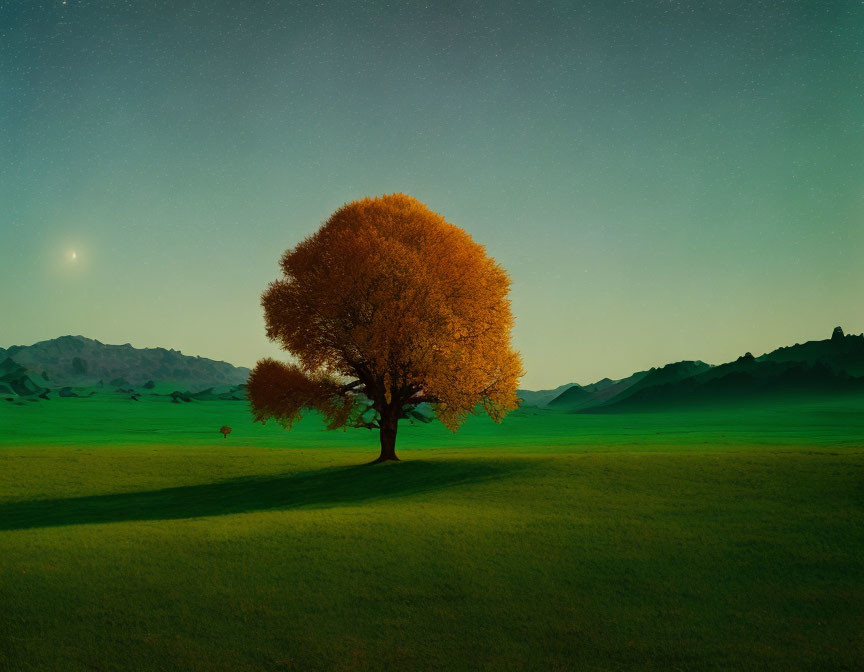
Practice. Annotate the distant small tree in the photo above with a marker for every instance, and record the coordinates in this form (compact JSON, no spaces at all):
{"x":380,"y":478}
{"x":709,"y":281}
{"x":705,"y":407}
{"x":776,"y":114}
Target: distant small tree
{"x":387,"y":307}
{"x":226,"y":430}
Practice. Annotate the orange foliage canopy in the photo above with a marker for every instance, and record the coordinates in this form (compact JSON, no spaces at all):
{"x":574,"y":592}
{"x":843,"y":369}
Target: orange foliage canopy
{"x":385,"y":307}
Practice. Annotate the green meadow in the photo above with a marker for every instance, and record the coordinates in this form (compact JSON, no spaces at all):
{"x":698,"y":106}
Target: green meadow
{"x":133,"y":536}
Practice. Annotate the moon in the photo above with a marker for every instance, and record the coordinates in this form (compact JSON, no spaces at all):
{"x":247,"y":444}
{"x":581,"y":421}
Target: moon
{"x":74,"y":255}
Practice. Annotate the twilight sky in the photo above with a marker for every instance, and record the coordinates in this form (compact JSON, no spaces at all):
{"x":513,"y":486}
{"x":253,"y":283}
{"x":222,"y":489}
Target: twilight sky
{"x":664,"y":180}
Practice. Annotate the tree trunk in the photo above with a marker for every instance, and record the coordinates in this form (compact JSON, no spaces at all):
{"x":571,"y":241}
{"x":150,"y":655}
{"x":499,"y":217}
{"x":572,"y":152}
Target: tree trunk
{"x":389,"y":424}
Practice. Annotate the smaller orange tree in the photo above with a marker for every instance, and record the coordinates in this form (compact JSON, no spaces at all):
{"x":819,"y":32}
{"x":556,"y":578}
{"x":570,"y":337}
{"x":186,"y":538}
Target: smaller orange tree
{"x":225,"y":430}
{"x":391,"y":312}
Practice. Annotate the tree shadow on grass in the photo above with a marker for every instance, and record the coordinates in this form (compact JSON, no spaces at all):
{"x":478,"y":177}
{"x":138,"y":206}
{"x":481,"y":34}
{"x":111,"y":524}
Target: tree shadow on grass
{"x":314,"y":489}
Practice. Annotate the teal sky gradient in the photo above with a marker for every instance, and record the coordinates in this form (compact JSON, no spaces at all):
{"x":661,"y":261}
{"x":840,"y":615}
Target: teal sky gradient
{"x":663,"y":180}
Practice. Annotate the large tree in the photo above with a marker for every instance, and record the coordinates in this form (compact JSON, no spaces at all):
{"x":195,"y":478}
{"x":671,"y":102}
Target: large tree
{"x":390,"y":312}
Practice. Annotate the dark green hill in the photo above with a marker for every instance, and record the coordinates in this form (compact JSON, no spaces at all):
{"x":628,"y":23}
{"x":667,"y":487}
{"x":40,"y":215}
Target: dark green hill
{"x":742,"y":381}
{"x":671,"y":373}
{"x":841,"y":352}
{"x":9,"y":367}
{"x":80,"y":361}
{"x":541,"y":397}
{"x":15,"y":380}
{"x":606,"y":391}
{"x":834,"y":366}
{"x":601,"y":385}
{"x":572,"y":398}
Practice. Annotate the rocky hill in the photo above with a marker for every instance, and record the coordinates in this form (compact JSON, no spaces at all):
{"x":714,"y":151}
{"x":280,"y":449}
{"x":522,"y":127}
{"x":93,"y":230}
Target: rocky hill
{"x":542,"y":397}
{"x":834,"y":366}
{"x":842,"y":352}
{"x":80,"y":361}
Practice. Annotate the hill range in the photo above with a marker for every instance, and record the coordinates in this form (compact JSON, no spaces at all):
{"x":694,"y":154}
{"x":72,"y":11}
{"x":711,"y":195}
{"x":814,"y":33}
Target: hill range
{"x":71,"y":362}
{"x":834,"y":366}
{"x":77,"y":366}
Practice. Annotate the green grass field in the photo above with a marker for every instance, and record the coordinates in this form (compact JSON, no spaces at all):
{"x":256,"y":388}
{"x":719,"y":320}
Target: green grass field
{"x":134,"y":537}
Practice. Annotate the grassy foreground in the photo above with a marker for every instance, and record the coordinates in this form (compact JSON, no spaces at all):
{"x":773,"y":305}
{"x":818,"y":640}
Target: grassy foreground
{"x":612,"y":543}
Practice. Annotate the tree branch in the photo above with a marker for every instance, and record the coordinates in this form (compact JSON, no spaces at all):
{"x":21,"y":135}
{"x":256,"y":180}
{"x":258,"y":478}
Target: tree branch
{"x":350,"y":386}
{"x":424,"y":399}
